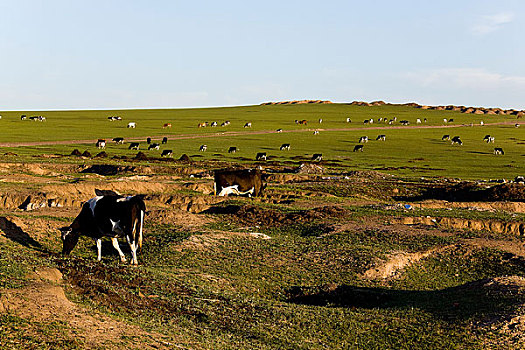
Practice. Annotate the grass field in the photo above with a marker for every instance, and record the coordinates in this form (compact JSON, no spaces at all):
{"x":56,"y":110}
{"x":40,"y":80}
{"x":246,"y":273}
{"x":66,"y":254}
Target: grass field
{"x":408,"y":151}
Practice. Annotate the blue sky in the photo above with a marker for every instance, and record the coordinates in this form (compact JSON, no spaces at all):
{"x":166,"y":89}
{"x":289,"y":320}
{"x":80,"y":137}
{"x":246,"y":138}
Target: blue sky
{"x":58,"y":54}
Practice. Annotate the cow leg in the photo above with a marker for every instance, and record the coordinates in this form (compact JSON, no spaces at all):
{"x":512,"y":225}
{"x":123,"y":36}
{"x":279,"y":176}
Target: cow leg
{"x":114,"y":240}
{"x":133,"y":248}
{"x":99,"y":249}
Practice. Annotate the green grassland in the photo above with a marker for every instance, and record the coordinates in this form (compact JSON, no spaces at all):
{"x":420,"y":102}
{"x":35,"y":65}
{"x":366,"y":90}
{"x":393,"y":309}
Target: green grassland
{"x":407,"y":151}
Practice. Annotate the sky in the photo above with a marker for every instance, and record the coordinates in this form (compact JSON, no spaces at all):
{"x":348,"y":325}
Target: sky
{"x":79,"y":54}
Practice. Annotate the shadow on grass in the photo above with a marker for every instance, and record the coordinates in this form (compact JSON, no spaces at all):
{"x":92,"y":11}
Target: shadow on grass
{"x":16,"y":234}
{"x":478,"y":299}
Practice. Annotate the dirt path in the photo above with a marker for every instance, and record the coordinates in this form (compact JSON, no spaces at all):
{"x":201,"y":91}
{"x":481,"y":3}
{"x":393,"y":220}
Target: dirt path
{"x":242,"y":133}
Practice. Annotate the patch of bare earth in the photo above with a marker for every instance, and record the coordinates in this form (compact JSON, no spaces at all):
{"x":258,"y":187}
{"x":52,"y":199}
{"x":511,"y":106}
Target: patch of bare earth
{"x":44,"y":300}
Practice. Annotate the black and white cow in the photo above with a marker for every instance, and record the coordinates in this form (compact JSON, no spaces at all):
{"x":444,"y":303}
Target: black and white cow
{"x":381,"y":138}
{"x":279,"y":130}
{"x":23,"y":117}
{"x":363,"y":139}
{"x":148,"y":140}
{"x":154,"y":146}
{"x":317,"y":157}
{"x":164,"y":140}
{"x":489,"y":139}
{"x":456,"y":139}
{"x":285,"y":147}
{"x":245,"y":182}
{"x":101,"y":143}
{"x":166,"y":153}
{"x":134,"y":145}
{"x":358,"y":148}
{"x":260,"y":156}
{"x":203,"y":148}
{"x":248,"y":125}
{"x":232,"y":149}
{"x":404,"y":122}
{"x":445,"y":138}
{"x":108,"y":215}
{"x":498,"y":150}
{"x":118,"y":140}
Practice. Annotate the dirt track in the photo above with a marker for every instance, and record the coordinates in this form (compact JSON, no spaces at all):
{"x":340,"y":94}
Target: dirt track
{"x":241,"y":133}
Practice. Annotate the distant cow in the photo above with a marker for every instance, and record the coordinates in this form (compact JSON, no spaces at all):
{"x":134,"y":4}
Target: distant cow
{"x":260,"y":156}
{"x":248,"y":125}
{"x":303,"y":122}
{"x":148,"y":140}
{"x":451,"y":120}
{"x":166,"y":153}
{"x":232,"y":149}
{"x":363,"y":139}
{"x":418,"y":121}
{"x":320,"y":120}
{"x":213,"y":124}
{"x":285,"y":147}
{"x":445,"y":138}
{"x":132,"y":125}
{"x":167,"y":125}
{"x":457,"y":140}
{"x":203,"y":125}
{"x":498,"y":150}
{"x":164,"y":140}
{"x":225,"y":123}
{"x":404,"y":122}
{"x":316,"y":132}
{"x":317,"y":157}
{"x":118,"y":140}
{"x":366,"y":121}
{"x":381,"y":138}
{"x":279,"y":130}
{"x":203,"y":148}
{"x":112,"y":118}
{"x":517,"y":125}
{"x":246,"y":182}
{"x":489,"y":139}
{"x":154,"y":146}
{"x":358,"y":148}
{"x":110,"y":216}
{"x":348,"y":120}
{"x":445,"y":120}
{"x":101,"y":143}
{"x":134,"y":145}
{"x":23,"y":117}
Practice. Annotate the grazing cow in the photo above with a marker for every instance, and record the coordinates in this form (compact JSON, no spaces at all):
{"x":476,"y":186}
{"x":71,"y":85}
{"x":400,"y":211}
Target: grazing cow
{"x":363,"y":139}
{"x":260,"y":156}
{"x":167,"y":125}
{"x":110,"y":216}
{"x":154,"y":146}
{"x":517,"y":125}
{"x":371,"y":121}
{"x":320,"y":120}
{"x":112,"y":118}
{"x":118,"y":140}
{"x":303,"y":122}
{"x":285,"y":147}
{"x":457,"y":140}
{"x":166,"y":153}
{"x":317,"y":157}
{"x":203,"y":148}
{"x":445,"y":120}
{"x":214,"y":124}
{"x":425,"y":120}
{"x":101,"y":143}
{"x":164,"y":140}
{"x":316,"y":132}
{"x":246,"y":182}
{"x":451,"y":120}
{"x":366,"y":121}
{"x":232,"y":149}
{"x":118,"y":118}
{"x":391,"y":121}
{"x":348,"y":120}
{"x":23,"y":117}
{"x":134,"y":145}
{"x":132,"y":125}
{"x":227,"y":122}
{"x":358,"y":148}
{"x":445,"y":138}
{"x":498,"y":150}
{"x":418,"y":121}
{"x":203,"y":125}
{"x":489,"y":139}
{"x":279,"y":130}
{"x":404,"y":122}
{"x":248,"y":125}
{"x":381,"y":138}
{"x":148,"y":140}
{"x":481,"y":123}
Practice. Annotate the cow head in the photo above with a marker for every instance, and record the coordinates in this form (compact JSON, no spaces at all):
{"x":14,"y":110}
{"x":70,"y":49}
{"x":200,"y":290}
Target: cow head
{"x":69,"y":239}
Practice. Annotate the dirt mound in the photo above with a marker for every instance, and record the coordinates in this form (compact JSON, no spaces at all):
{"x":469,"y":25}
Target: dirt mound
{"x":185,"y":158}
{"x":472,"y":192}
{"x":251,"y":215}
{"x":44,"y":301}
{"x":299,"y":102}
{"x":308,"y":168}
{"x":76,"y":153}
{"x":108,"y":169}
{"x":141,"y":156}
{"x":101,"y":155}
{"x":86,"y":154}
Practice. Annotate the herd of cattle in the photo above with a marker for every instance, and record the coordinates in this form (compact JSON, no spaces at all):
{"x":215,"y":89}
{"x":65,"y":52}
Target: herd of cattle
{"x":111,"y":215}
